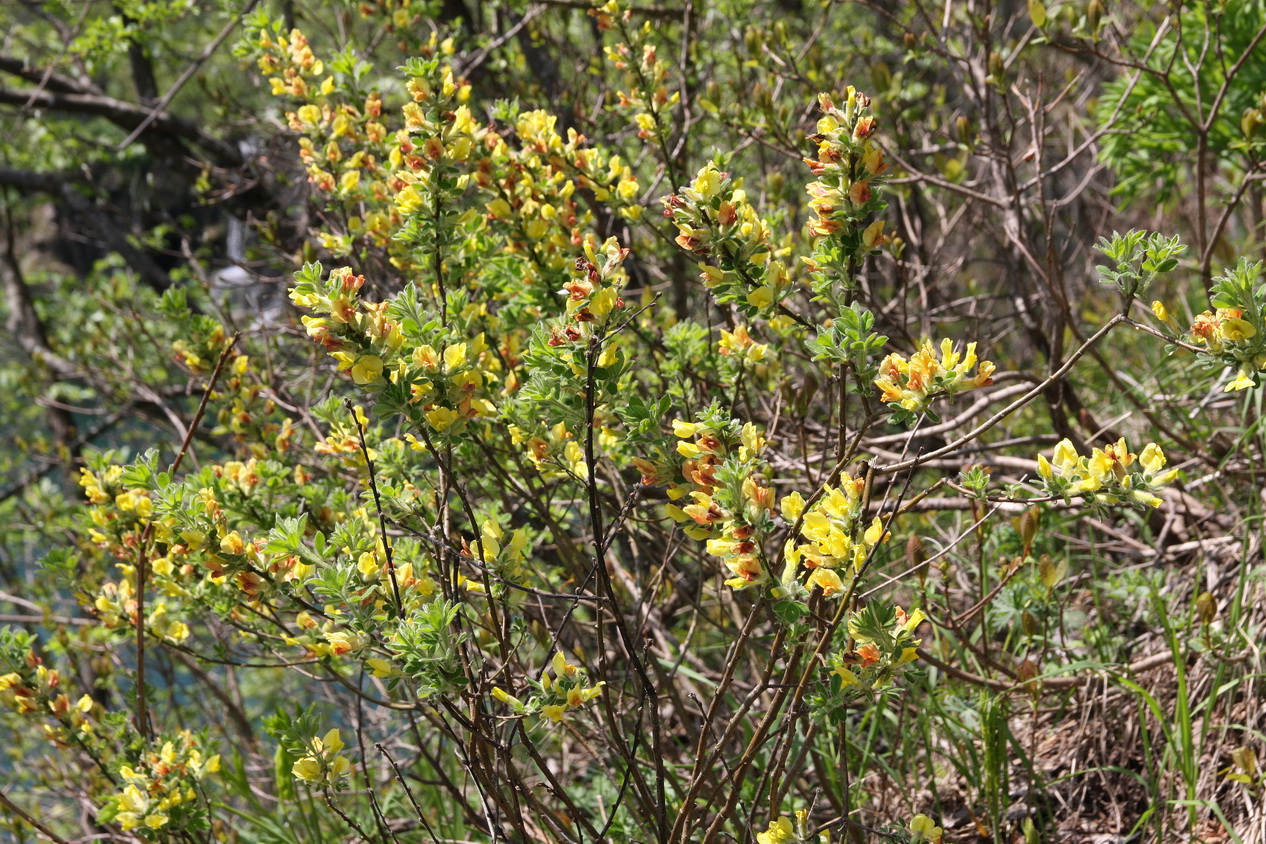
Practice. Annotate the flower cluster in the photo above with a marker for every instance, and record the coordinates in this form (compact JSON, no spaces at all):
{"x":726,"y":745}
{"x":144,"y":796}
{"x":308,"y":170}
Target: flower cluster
{"x":161,"y":787}
{"x":647,"y":97}
{"x":32,"y":689}
{"x":247,"y":413}
{"x":883,"y":639}
{"x":121,"y":513}
{"x":534,"y":204}
{"x":442,"y":387}
{"x":322,"y":639}
{"x":729,"y":500}
{"x":1233,"y":331}
{"x":554,"y":696}
{"x":1225,"y":333}
{"x":439,"y":136}
{"x":715,"y":221}
{"x":847,"y":170}
{"x":783,"y":831}
{"x":739,"y":345}
{"x":880,"y":644}
{"x":199,"y":351}
{"x":289,"y":57}
{"x":910,"y":385}
{"x":322,"y":765}
{"x":593,"y":293}
{"x":504,"y":557}
{"x":1221,"y":329}
{"x":554,"y":451}
{"x":1110,"y":475}
{"x":839,"y":539}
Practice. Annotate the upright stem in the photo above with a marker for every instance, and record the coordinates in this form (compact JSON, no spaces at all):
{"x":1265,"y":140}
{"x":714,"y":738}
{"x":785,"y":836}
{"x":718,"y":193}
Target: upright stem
{"x":647,"y":687}
{"x":142,"y":561}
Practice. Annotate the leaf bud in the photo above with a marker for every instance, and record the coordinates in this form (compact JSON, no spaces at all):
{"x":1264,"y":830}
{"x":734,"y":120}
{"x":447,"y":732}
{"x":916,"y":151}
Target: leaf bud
{"x":1206,"y":608}
{"x":963,"y":125}
{"x":997,"y":67}
{"x":1030,"y":520}
{"x":1029,"y":623}
{"x":1251,"y":122}
{"x":1094,"y":15}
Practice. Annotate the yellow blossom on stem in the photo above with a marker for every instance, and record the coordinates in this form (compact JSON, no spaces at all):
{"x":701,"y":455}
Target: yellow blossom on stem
{"x":780,"y":831}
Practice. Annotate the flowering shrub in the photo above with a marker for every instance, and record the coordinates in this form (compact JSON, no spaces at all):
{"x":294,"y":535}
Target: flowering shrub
{"x":536,"y":514}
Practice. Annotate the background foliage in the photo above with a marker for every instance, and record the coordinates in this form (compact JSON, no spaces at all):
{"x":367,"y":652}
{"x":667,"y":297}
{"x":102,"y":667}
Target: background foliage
{"x":697,"y":421}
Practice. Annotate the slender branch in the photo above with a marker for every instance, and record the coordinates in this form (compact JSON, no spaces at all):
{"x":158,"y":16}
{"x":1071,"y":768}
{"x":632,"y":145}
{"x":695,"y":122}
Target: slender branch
{"x":26,"y":816}
{"x":382,"y":520}
{"x":126,"y":116}
{"x":142,"y":562}
{"x":161,"y":106}
{"x":1009,"y":409}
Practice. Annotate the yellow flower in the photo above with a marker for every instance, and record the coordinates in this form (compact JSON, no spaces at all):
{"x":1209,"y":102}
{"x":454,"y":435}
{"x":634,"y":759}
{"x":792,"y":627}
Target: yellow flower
{"x":1236,"y":329}
{"x":874,"y":235}
{"x":923,"y":829}
{"x":875,"y":533}
{"x":454,"y":356}
{"x":761,"y":297}
{"x":706,"y":185}
{"x":1162,"y":313}
{"x":380,"y":667}
{"x":684,"y":429}
{"x":826,"y":580}
{"x":1152,"y":458}
{"x":505,"y":697}
{"x":307,"y":769}
{"x":441,"y":418}
{"x":792,"y":506}
{"x":847,"y":678}
{"x":554,"y":712}
{"x":561,"y":667}
{"x":367,"y":369}
{"x":1065,"y":455}
{"x":232,"y":544}
{"x":1241,"y":382}
{"x":780,"y":831}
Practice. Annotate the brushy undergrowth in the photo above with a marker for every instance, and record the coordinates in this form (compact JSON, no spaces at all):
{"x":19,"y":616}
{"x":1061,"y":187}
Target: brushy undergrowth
{"x":723,"y":421}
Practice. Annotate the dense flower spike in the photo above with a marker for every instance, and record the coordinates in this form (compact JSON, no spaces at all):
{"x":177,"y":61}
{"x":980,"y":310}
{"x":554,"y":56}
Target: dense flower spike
{"x":716,"y":222}
{"x":1233,"y":331}
{"x":725,"y":497}
{"x":848,"y":168}
{"x":161,"y":786}
{"x":646,"y":97}
{"x":1112,"y":474}
{"x":911,"y":385}
{"x":839,"y":539}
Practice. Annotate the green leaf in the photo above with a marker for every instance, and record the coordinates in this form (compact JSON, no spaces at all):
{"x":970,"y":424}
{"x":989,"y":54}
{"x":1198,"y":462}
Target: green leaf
{"x":1037,"y":11}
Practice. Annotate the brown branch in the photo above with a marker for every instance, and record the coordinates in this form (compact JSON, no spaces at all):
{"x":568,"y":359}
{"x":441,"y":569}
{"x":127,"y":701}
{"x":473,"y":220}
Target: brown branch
{"x":50,"y":80}
{"x":142,"y":714}
{"x":127,"y":116}
{"x":91,"y":215}
{"x":29,"y":818}
{"x":1145,"y":664}
{"x":161,"y":106}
